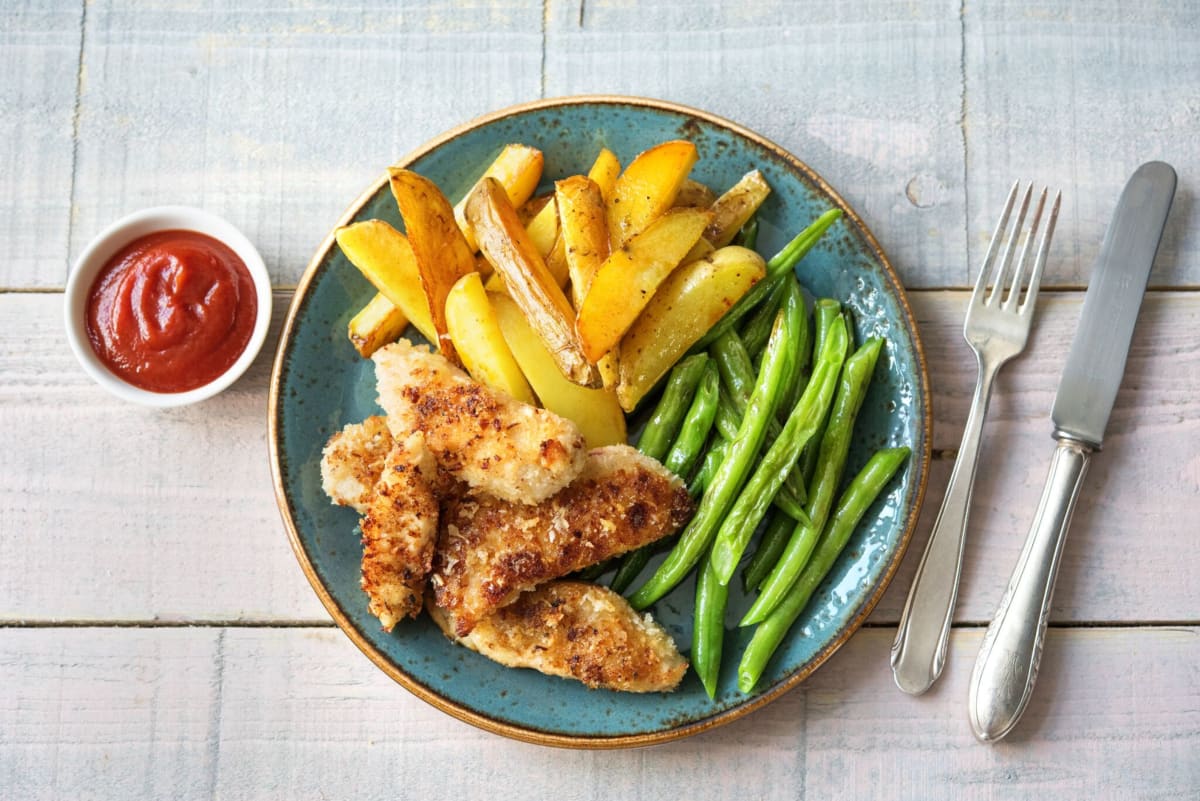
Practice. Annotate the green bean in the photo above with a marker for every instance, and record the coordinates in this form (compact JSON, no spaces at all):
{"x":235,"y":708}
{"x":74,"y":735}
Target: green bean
{"x":708,"y":468}
{"x":632,"y":564}
{"x":770,"y":546}
{"x":785,"y":261}
{"x":693,"y":433}
{"x":858,"y":497}
{"x":781,"y":263}
{"x":747,"y":237}
{"x":825,"y":311}
{"x":697,"y":423}
{"x":737,"y":377}
{"x":756,"y":330}
{"x":741,"y":521}
{"x":708,"y":627}
{"x":834,"y":448}
{"x":664,"y":423}
{"x":735,"y":366}
{"x":729,"y":476}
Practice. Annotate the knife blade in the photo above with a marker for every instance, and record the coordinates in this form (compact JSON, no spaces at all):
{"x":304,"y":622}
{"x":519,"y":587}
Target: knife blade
{"x":1096,"y":360}
{"x":1006,"y":669}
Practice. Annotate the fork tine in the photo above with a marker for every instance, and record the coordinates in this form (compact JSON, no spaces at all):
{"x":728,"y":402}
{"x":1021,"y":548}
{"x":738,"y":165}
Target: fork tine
{"x":1035,"y":279}
{"x":997,"y":235}
{"x":1009,"y":247}
{"x":1014,"y":290}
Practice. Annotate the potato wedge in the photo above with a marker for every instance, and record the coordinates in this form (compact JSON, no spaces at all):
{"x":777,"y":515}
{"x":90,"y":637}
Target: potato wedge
{"x":377,"y":324}
{"x":443,"y":255}
{"x":605,"y":171}
{"x":384,"y":256}
{"x":527,"y":280}
{"x":647,"y":188}
{"x":595,"y":411}
{"x":479,"y":342}
{"x":543,"y":228}
{"x":584,"y":231}
{"x":694,"y":195}
{"x":732,"y":209}
{"x":518,"y":168}
{"x":628,"y":278}
{"x":685,"y":306}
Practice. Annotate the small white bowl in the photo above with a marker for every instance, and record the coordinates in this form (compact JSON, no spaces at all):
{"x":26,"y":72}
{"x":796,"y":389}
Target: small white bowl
{"x":118,"y":235}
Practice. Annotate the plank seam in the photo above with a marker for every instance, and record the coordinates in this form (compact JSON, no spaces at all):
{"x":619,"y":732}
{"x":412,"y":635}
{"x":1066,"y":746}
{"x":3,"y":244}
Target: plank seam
{"x":76,"y":113}
{"x":962,"y":129}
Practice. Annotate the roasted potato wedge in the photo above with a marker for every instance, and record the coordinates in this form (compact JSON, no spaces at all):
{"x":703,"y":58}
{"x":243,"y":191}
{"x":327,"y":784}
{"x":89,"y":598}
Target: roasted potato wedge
{"x":543,"y":228}
{"x":595,"y":411}
{"x":648,"y":188}
{"x":443,"y":255}
{"x":584,"y":226}
{"x":686,"y":305}
{"x":384,"y":256}
{"x":518,"y":168}
{"x":377,"y":324}
{"x":732,"y":209}
{"x":479,"y":342}
{"x":605,"y":171}
{"x":628,"y":278}
{"x":694,"y":195}
{"x":527,"y":280}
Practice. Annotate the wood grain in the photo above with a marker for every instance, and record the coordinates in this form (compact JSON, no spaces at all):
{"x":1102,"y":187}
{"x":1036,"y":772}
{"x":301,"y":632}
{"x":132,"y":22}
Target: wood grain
{"x":299,"y":713}
{"x":277,"y":118}
{"x":868,"y":94}
{"x":170,"y":515}
{"x":39,"y":69}
{"x":1077,"y":96}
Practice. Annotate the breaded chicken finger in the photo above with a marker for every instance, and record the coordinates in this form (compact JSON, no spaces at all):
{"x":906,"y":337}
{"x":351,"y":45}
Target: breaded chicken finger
{"x":496,"y":444}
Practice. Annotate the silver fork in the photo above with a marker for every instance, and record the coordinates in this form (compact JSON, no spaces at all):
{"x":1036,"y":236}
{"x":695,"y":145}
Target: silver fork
{"x":997,"y":328}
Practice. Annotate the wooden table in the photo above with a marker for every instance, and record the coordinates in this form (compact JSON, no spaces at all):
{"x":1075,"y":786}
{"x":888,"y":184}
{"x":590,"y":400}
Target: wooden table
{"x":158,"y":639}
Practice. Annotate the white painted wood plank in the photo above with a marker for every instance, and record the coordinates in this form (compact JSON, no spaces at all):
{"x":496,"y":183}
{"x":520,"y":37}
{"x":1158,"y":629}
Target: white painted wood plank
{"x":115,"y":512}
{"x":112,"y":512}
{"x":299,"y":713}
{"x":278,"y":117}
{"x":1077,"y":96}
{"x":39,"y":60}
{"x":1141,"y":494}
{"x":868,"y":94}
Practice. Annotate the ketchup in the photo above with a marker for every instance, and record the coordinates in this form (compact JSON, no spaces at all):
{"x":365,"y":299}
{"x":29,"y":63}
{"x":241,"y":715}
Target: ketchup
{"x":171,"y":311}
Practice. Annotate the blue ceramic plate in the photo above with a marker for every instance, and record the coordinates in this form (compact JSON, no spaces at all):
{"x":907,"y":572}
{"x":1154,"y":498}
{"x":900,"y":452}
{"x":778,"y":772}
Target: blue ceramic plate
{"x":319,"y":384}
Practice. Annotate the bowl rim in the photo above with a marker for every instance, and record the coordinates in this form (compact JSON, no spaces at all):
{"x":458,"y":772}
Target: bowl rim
{"x":921,"y":454}
{"x":122,"y":232}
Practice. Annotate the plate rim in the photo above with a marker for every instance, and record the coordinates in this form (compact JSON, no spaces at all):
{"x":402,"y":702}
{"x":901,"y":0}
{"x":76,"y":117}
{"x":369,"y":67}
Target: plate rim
{"x":922,"y":451}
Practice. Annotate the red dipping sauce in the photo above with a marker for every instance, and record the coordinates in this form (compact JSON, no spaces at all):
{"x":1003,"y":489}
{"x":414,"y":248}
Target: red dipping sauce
{"x":171,"y":311}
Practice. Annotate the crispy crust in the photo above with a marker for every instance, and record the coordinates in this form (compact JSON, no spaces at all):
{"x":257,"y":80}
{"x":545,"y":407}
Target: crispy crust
{"x":353,"y":461}
{"x":399,"y":532}
{"x":578,"y":631}
{"x":489,"y":550}
{"x":494,"y":443}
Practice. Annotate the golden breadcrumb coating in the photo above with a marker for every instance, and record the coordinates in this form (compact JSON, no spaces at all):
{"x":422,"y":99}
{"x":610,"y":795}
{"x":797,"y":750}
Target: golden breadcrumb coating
{"x":353,"y":460}
{"x":578,"y":631}
{"x":494,"y":443}
{"x":490,"y":551}
{"x":399,"y":532}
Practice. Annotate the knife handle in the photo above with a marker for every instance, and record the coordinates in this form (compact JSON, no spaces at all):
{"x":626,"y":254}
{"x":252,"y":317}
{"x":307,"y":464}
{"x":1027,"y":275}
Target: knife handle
{"x":1007,"y":666}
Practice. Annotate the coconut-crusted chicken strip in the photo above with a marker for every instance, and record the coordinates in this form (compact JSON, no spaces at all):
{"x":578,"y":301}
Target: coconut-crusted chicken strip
{"x":490,"y":551}
{"x":353,"y":461}
{"x":494,"y":443}
{"x":399,"y":533}
{"x":578,"y":631}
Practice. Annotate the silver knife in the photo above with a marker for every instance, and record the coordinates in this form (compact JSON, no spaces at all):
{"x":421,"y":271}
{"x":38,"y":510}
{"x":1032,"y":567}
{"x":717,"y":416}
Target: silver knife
{"x":1006,"y":669}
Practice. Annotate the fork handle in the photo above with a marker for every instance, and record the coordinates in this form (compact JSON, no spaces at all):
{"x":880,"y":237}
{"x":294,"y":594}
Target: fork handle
{"x":1007,"y":666}
{"x":919,"y":651}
